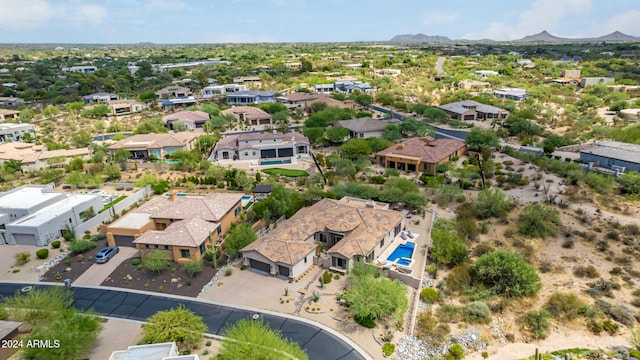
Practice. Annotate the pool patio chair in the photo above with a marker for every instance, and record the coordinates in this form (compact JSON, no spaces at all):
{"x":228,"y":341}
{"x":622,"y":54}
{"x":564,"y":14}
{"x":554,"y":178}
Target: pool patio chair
{"x":410,"y":234}
{"x":403,"y":236}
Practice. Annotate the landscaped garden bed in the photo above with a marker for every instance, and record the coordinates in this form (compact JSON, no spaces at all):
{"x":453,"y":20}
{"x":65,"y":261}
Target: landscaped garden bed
{"x":73,"y":265}
{"x":285,"y":172}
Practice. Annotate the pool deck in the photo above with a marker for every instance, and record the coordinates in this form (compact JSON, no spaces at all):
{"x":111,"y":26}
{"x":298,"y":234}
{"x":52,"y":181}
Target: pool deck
{"x":398,"y":240}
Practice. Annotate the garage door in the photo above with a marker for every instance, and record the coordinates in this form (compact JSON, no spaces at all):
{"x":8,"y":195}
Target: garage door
{"x":24,"y":239}
{"x":122,"y":240}
{"x":283,"y":270}
{"x":259,"y":265}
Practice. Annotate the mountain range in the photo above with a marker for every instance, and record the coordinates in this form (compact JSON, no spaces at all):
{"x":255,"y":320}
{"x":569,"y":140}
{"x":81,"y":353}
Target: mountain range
{"x":543,"y":36}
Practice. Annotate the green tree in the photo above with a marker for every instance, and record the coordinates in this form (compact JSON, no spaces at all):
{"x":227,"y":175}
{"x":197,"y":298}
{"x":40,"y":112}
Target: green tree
{"x":144,"y":69}
{"x":506,"y":273}
{"x":355,"y":149}
{"x":447,"y":249}
{"x":156,"y":260}
{"x":492,"y":203}
{"x":151,"y":125}
{"x":435,"y":114}
{"x":147,"y":96}
{"x":630,"y":183}
{"x":249,"y":339}
{"x":411,"y":126}
{"x":337,"y":135}
{"x":192,"y":267}
{"x":538,"y":220}
{"x":81,"y":139}
{"x":552,"y":141}
{"x":392,"y":133}
{"x":179,"y":325}
{"x":372,"y":297}
{"x":50,"y":111}
{"x":479,"y":139}
{"x":239,"y":236}
{"x":74,"y":107}
{"x":378,"y":144}
{"x":112,"y":171}
{"x":121,"y":156}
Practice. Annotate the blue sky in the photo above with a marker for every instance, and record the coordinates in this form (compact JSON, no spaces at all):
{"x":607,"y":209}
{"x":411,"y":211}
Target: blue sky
{"x":215,"y":21}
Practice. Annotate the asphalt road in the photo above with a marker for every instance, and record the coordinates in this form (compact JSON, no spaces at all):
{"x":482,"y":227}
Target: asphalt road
{"x":317,"y":342}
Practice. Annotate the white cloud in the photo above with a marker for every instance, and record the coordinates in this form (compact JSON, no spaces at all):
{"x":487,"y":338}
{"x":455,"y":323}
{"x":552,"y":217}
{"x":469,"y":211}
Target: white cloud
{"x":542,"y":15}
{"x":439,"y":18}
{"x":164,"y":5}
{"x":237,"y":38}
{"x":627,"y":22}
{"x":88,"y":14}
{"x":24,"y":14}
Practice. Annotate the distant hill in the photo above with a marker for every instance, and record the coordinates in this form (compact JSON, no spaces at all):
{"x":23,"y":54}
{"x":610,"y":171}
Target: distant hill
{"x":546,"y":37}
{"x":419,"y":38}
{"x":543,"y":36}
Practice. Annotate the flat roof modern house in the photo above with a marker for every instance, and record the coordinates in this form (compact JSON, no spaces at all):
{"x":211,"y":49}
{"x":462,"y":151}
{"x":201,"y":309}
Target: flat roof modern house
{"x":158,"y":146}
{"x":250,"y":97}
{"x":421,"y":154}
{"x":184,"y":225}
{"x":267,"y":148}
{"x":347,"y":230}
{"x":613,"y":155}
{"x":37,"y":215}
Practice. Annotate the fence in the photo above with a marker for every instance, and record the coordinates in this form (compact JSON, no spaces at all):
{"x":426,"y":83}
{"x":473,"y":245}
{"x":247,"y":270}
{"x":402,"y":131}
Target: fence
{"x":107,"y":215}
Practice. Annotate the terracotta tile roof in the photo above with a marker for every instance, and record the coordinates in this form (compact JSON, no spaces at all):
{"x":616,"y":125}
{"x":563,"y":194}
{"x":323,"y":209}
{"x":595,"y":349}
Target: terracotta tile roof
{"x":9,"y":112}
{"x":347,"y":104}
{"x":211,"y":207}
{"x":363,"y":229}
{"x":154,"y":141}
{"x":249,"y":112}
{"x":363,"y":124}
{"x":187,"y":115}
{"x":188,"y":233}
{"x":299,"y":96}
{"x":428,"y":149}
{"x":30,"y":153}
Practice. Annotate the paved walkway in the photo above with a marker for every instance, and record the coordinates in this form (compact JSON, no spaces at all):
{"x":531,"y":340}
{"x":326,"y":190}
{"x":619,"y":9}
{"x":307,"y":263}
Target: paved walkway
{"x":319,"y":341}
{"x":117,"y":334}
{"x":96,"y":274}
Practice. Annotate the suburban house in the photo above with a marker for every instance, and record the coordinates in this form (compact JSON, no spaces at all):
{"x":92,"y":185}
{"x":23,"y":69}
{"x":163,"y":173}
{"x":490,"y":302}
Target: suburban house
{"x":592,"y":81}
{"x":325,"y":88}
{"x":15,"y":132}
{"x":37,"y":215}
{"x":268,"y":148}
{"x":387,"y":72}
{"x":629,"y":115}
{"x":485,"y":73}
{"x":632,"y":90}
{"x":511,"y":93}
{"x":421,"y":154}
{"x":100,"y":97}
{"x":219,"y":90}
{"x":124,"y":107}
{"x":6,"y":114}
{"x":173,"y":91}
{"x":35,"y":157}
{"x":249,"y":115}
{"x":363,"y":128}
{"x":324,"y":98}
{"x":346,"y":87}
{"x":296,"y":99}
{"x":261,"y":191}
{"x":11,"y":101}
{"x":250,"y":97}
{"x":154,"y":146}
{"x":473,"y":110}
{"x":569,"y":77}
{"x":183,"y":102}
{"x":613,"y":155}
{"x":190,"y":118}
{"x":85,"y":69}
{"x":184,"y":225}
{"x":247,"y":80}
{"x":348,"y":232}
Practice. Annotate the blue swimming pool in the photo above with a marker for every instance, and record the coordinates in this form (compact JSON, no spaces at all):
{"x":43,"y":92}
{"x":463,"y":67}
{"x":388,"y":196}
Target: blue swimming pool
{"x":404,"y":261}
{"x":275,"y":162}
{"x":402,"y":251}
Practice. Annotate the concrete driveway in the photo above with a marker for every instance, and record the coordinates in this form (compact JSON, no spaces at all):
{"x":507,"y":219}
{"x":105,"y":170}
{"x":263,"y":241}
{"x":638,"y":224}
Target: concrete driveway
{"x":96,"y":274}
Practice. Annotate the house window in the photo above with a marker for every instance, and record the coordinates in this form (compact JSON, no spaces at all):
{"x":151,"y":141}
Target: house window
{"x":382,"y":242}
{"x":322,"y":237}
{"x":202,"y":249}
{"x":305,"y":259}
{"x":225,"y":155}
{"x":237,"y":211}
{"x":70,"y":222}
{"x":219,"y":229}
{"x":253,"y":153}
{"x":185,"y":253}
{"x":157,"y":247}
{"x":396,"y":230}
{"x":146,"y":246}
{"x":338,"y":262}
{"x":246,"y":153}
{"x":166,"y":247}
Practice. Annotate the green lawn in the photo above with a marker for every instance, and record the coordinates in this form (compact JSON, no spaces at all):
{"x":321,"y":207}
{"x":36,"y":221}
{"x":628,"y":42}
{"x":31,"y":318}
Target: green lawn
{"x":286,"y":172}
{"x":112,"y":203}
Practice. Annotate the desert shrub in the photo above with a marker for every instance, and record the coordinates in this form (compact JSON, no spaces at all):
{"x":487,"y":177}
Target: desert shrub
{"x":449,"y":313}
{"x":55,"y":244}
{"x":42,"y":253}
{"x":22,"y":258}
{"x":505,"y":273}
{"x":365,"y":321}
{"x":456,"y":351}
{"x":568,"y":244}
{"x":192,"y":267}
{"x":81,"y":246}
{"x":588,"y":271}
{"x":619,"y":312}
{"x":477,"y":312}
{"x":388,"y":349}
{"x":156,"y":260}
{"x":228,"y":271}
{"x":428,"y":329}
{"x":601,"y":287}
{"x":135,"y":261}
{"x":459,"y":278}
{"x":599,"y":325}
{"x":429,"y":295}
{"x":482,"y":249}
{"x":447,"y":248}
{"x":492,"y":203}
{"x":326,"y":277}
{"x":536,"y":322}
{"x":538,"y":220}
{"x":564,"y":306}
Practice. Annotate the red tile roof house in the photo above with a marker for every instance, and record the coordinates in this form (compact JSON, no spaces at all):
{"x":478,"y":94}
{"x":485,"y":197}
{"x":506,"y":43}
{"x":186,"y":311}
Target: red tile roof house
{"x":347,"y":231}
{"x":191,"y":119}
{"x":421,"y":154}
{"x":249,"y":115}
